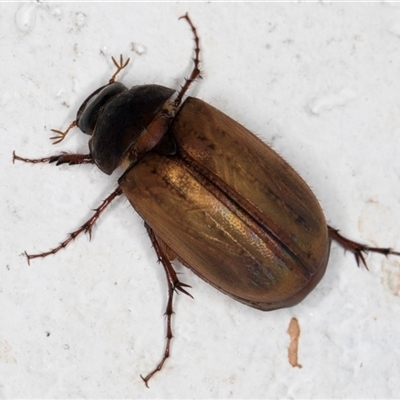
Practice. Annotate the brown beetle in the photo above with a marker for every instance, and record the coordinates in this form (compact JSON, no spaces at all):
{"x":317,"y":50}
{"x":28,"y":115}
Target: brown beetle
{"x":212,"y":195}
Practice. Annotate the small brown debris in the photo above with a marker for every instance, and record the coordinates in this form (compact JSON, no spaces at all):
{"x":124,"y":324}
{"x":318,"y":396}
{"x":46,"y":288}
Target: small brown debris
{"x":294,"y":332}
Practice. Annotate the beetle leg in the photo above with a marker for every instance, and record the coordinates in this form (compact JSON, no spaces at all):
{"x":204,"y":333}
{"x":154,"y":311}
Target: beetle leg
{"x":63,"y":158}
{"x":174,"y":285}
{"x":86,"y":227}
{"x":358,"y":248}
{"x":196,"y":69}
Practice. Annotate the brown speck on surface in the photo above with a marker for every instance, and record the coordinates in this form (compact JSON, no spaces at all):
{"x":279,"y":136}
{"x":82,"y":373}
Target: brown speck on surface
{"x":294,"y":332}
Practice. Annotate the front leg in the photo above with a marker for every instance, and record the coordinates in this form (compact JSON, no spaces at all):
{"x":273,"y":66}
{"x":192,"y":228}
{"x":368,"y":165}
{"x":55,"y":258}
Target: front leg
{"x":63,"y":158}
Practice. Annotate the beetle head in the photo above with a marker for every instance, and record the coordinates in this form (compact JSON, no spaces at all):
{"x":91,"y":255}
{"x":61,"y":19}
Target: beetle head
{"x":125,"y":123}
{"x":90,"y":109}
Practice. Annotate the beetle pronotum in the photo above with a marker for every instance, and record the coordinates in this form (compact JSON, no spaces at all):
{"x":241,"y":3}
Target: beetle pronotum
{"x":212,"y":195}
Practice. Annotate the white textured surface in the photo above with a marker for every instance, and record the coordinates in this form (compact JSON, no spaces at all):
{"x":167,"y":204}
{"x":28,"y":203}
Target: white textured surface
{"x":320,"y":82}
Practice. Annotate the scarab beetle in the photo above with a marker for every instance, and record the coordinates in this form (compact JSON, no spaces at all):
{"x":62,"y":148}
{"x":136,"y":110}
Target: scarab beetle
{"x":212,"y":195}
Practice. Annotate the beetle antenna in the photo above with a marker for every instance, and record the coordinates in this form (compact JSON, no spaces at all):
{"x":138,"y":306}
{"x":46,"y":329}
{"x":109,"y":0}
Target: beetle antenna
{"x":120,"y":66}
{"x":60,"y":135}
{"x":196,"y":69}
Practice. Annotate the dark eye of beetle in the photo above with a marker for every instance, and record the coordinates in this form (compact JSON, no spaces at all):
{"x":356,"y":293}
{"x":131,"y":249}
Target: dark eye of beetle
{"x":89,"y":111}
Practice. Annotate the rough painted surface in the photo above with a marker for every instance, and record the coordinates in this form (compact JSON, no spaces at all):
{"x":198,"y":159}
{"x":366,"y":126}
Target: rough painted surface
{"x":319,"y":82}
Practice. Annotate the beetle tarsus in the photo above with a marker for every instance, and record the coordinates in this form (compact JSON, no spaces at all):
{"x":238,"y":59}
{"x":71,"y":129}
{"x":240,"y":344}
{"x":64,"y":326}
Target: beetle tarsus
{"x":60,"y":135}
{"x":86,"y":227}
{"x":358,"y":249}
{"x":168,"y":312}
{"x":177,"y":285}
{"x":30,"y":160}
{"x":27,"y":257}
{"x":196,"y":59}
